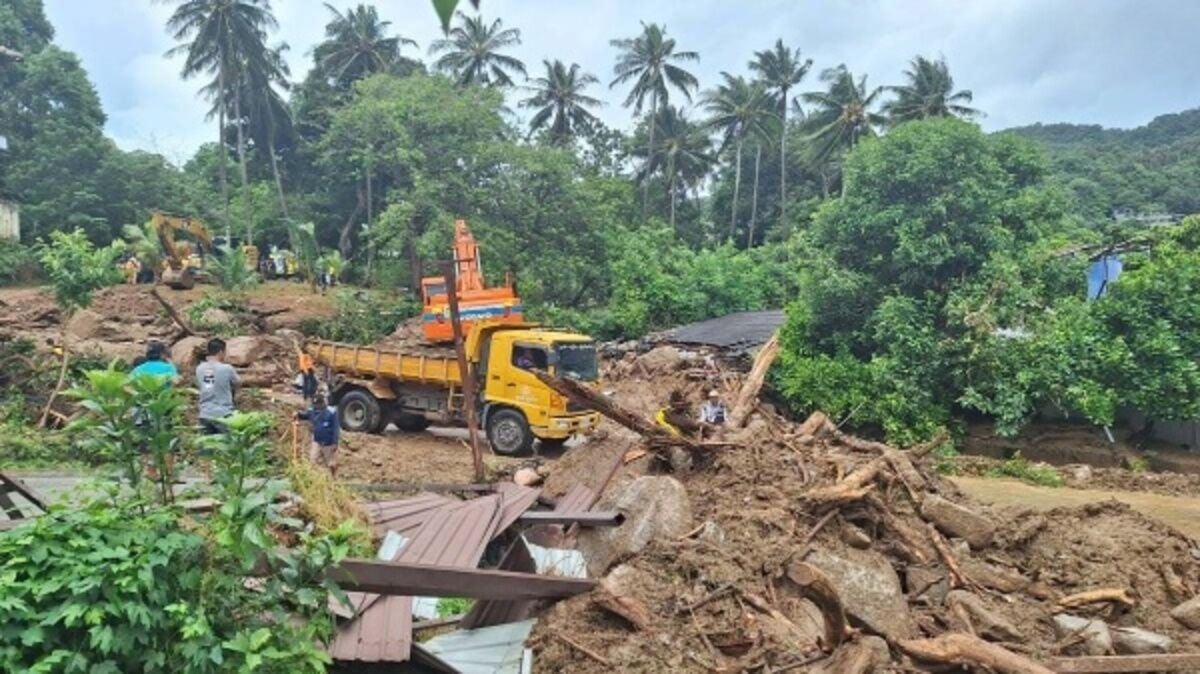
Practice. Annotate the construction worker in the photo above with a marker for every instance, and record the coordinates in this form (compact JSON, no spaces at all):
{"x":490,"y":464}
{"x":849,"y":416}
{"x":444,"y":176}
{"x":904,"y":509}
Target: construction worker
{"x":325,"y":432}
{"x":306,"y":376}
{"x":712,"y":412}
{"x":677,"y":417}
{"x":132,"y":269}
{"x":218,"y":382}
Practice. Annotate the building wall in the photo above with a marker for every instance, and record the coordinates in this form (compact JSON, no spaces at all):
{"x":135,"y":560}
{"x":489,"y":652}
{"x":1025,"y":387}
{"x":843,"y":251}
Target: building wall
{"x":10,"y":221}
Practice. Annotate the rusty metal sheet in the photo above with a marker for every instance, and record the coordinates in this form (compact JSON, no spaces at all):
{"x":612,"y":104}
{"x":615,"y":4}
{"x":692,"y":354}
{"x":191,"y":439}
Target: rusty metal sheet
{"x":577,"y":498}
{"x":515,"y":500}
{"x":406,"y":516}
{"x":452,"y":535}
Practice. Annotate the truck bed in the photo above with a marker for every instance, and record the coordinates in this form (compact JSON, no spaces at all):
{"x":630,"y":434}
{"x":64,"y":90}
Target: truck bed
{"x":395,"y":363}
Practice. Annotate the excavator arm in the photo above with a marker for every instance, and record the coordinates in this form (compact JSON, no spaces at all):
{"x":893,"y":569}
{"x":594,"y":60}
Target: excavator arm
{"x":166,"y":226}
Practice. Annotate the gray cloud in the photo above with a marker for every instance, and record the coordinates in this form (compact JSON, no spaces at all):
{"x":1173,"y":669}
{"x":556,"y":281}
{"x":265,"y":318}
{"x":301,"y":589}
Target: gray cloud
{"x":1087,"y":61}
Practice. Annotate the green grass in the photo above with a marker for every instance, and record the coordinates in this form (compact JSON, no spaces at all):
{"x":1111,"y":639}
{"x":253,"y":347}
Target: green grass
{"x":1023,"y":469}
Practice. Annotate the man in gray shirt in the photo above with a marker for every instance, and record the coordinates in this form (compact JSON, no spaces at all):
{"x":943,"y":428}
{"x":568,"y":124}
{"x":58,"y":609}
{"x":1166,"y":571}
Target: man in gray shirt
{"x":218,"y":382}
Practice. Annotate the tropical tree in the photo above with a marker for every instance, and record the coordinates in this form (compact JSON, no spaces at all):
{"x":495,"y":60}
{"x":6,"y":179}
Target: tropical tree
{"x":737,"y":109}
{"x":780,"y":68}
{"x":471,"y":52}
{"x":357,"y":44}
{"x":682,"y":155}
{"x":929,"y":92}
{"x":560,"y":101}
{"x":218,"y":37}
{"x":269,"y":115}
{"x":842,"y":114}
{"x":650,"y":61}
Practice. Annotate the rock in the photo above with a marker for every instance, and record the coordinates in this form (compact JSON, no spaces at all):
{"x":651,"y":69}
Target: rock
{"x":214,"y":316}
{"x":814,"y":424}
{"x":987,"y":622}
{"x":1188,"y":613}
{"x":956,"y":520}
{"x":1137,"y":641}
{"x":187,"y":352}
{"x":857,"y":657}
{"x":124,"y":351}
{"x":680,"y":458}
{"x":869,"y":589}
{"x":654,"y":507}
{"x":244,"y":351}
{"x":995,"y":577}
{"x":1081,"y":474}
{"x":85,"y":324}
{"x":527,"y":477}
{"x":926,"y":584}
{"x":1097,"y":640}
{"x":660,"y":358}
{"x":711,"y":533}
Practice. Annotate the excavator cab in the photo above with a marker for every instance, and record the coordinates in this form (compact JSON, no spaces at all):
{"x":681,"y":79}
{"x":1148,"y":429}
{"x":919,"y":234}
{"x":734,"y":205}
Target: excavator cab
{"x":476,"y":302}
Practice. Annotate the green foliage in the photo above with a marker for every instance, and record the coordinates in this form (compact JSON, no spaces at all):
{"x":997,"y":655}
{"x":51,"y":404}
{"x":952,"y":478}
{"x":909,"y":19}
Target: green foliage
{"x":363,"y":317}
{"x":231,"y":271}
{"x":77,"y":269}
{"x":1023,"y":469}
{"x":453,"y":606}
{"x":232,"y":304}
{"x":18,"y":263}
{"x":1137,"y":464}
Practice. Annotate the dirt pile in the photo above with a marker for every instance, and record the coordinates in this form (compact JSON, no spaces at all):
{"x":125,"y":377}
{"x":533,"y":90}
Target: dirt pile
{"x":811,"y":550}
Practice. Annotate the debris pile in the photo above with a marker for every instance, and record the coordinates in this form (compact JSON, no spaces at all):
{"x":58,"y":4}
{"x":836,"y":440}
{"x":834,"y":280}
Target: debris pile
{"x":802,"y":548}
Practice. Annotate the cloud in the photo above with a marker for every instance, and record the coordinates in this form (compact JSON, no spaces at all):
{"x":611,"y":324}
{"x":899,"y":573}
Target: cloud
{"x":1108,"y":62}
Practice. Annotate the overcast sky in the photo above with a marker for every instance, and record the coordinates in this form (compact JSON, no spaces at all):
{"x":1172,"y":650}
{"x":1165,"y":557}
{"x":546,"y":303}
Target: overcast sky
{"x":1087,"y":61}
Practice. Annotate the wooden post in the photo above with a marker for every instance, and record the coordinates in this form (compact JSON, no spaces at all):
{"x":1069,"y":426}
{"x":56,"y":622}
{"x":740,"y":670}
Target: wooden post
{"x":450,"y":274}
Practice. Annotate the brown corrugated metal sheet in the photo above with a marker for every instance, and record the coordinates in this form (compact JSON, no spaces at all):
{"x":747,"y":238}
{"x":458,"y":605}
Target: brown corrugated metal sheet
{"x":452,"y":535}
{"x":577,"y":498}
{"x":515,"y":501}
{"x":406,"y":516}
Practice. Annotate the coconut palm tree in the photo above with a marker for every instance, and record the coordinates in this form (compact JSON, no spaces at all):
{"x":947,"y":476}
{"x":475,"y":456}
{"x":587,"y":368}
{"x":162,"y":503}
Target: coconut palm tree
{"x":472,"y":55}
{"x":682,"y":155}
{"x":651,"y":62}
{"x":928,"y":93}
{"x":560,"y":101}
{"x":781,"y":68}
{"x":357,"y":44}
{"x":269,"y":115}
{"x":216,"y":37}
{"x":841,"y":115}
{"x":738,"y":108}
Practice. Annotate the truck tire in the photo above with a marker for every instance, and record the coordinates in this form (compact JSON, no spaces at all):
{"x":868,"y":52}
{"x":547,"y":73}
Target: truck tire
{"x":555,"y":445}
{"x":509,"y":433}
{"x":359,"y":412}
{"x":409,"y":422}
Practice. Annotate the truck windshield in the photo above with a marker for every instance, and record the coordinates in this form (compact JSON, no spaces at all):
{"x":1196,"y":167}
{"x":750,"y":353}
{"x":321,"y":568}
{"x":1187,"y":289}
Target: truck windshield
{"x":577,"y":360}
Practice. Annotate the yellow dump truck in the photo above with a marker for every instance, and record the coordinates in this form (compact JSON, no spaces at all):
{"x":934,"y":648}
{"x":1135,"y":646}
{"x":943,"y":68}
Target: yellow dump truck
{"x":417,"y":387}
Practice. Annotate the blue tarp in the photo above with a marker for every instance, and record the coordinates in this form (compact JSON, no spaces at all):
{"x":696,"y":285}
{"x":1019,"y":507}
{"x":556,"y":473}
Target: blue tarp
{"x":1101,"y":274}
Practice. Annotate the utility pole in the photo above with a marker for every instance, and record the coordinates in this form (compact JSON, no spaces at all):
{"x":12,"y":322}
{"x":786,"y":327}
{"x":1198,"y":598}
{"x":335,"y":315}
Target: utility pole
{"x":450,"y":274}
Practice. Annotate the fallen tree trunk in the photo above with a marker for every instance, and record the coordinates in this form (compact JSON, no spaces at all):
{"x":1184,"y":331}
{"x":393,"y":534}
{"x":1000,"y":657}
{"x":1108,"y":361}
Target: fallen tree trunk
{"x":748,"y":395}
{"x":817,"y":588}
{"x":596,"y":401}
{"x":183,"y":325}
{"x":853,"y":487}
{"x":956,"y":648}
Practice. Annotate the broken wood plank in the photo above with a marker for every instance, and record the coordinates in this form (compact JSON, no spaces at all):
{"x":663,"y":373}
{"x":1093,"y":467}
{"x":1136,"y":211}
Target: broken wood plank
{"x":747,"y":397}
{"x":1119,"y":664}
{"x":400,"y":579}
{"x":1118,"y":595}
{"x":956,"y":648}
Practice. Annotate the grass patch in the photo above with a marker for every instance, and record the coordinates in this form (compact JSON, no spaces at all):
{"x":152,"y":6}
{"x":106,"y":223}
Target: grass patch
{"x":327,"y":503}
{"x":1026,"y":471}
{"x":944,"y":459}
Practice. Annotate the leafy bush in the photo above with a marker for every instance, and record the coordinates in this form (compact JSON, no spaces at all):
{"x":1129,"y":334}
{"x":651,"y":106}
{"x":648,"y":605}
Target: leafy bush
{"x":76,"y":268}
{"x":231,"y":271}
{"x":232,"y":305}
{"x":18,"y":263}
{"x":452,"y":606}
{"x":1023,"y":469}
{"x":363,"y":316}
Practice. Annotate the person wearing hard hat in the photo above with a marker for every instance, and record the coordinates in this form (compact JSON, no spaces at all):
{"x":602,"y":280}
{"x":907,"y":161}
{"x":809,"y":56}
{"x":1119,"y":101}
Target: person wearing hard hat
{"x":712,"y":412}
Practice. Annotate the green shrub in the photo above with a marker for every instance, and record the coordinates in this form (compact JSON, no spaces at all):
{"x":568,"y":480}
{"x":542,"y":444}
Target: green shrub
{"x":452,"y":606}
{"x":363,"y":316}
{"x":18,"y":263}
{"x":1025,"y":470}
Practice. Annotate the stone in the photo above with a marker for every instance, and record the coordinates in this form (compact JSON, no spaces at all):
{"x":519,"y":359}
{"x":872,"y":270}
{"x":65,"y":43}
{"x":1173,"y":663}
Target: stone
{"x":711,"y":533}
{"x":85,"y":324}
{"x":863,"y":656}
{"x":527,"y":477}
{"x":1137,"y":641}
{"x":680,"y":458}
{"x":926,"y":584}
{"x":655,"y":507}
{"x":123,"y":351}
{"x":660,"y":358}
{"x":1188,"y":613}
{"x":1097,"y":640}
{"x":956,"y":520}
{"x":244,"y":351}
{"x":987,"y":622}
{"x":869,"y":588}
{"x":855,"y":537}
{"x":1081,"y":474}
{"x":187,"y":352}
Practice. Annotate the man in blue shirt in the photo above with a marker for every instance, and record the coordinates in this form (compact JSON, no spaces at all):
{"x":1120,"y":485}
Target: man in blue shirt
{"x":156,"y":363}
{"x":325,"y":431}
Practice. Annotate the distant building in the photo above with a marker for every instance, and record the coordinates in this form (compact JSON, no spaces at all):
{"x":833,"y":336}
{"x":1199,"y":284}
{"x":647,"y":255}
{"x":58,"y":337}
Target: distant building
{"x":10,"y":221}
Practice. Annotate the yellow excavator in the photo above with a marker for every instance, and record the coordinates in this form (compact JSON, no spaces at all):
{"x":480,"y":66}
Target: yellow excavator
{"x":184,"y":265}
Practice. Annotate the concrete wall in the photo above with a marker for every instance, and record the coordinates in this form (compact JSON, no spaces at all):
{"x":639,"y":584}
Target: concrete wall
{"x":10,"y":221}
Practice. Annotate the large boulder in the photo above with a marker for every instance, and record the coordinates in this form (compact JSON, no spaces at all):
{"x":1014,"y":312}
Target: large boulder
{"x":123,"y":351}
{"x":1188,"y":613}
{"x":661,"y":358}
{"x":1094,"y":634}
{"x":654,"y":507}
{"x":85,"y":324}
{"x":956,"y":520}
{"x":869,"y":589}
{"x":186,"y":353}
{"x":245,"y":351}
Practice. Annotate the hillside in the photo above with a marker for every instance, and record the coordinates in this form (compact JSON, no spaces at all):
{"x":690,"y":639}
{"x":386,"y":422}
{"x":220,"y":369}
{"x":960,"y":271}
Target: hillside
{"x":1152,"y":168}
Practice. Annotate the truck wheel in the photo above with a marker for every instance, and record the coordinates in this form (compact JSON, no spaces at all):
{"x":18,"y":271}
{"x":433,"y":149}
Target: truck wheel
{"x":549,"y":445}
{"x":358,"y":411}
{"x":409,"y":422}
{"x":509,"y":433}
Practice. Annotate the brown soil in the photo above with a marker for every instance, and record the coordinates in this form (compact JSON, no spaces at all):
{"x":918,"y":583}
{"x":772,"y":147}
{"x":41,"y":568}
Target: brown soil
{"x":413,"y":458}
{"x":759,"y":494}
